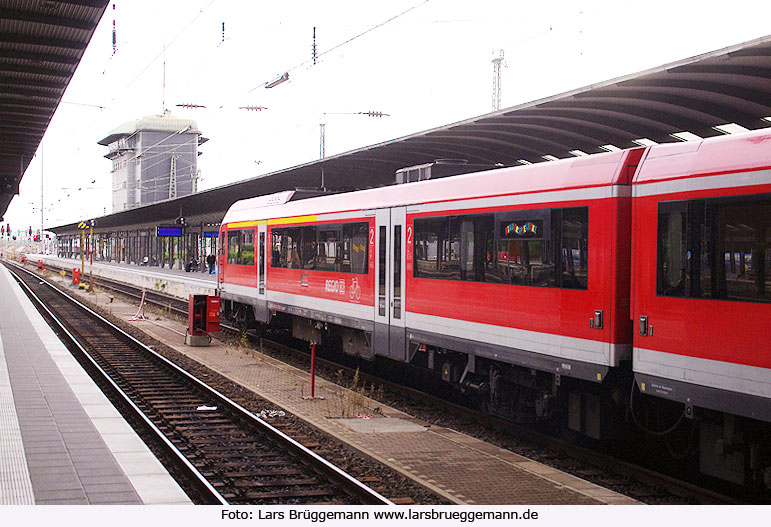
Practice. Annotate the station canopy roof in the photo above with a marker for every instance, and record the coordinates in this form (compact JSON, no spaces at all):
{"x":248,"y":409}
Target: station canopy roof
{"x":41,"y":44}
{"x":719,"y":92}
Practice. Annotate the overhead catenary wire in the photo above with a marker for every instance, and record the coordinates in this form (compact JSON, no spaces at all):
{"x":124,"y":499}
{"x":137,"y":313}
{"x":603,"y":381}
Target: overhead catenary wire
{"x":315,"y":56}
{"x":170,"y":43}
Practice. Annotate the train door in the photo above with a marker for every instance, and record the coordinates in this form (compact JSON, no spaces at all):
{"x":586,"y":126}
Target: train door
{"x":382,"y":283}
{"x":389,"y":333}
{"x":221,"y":255}
{"x":397,"y":256}
{"x":261,"y":307}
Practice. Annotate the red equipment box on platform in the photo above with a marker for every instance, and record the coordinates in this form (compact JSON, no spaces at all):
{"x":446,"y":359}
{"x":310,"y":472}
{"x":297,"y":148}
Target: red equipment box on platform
{"x":203,"y":314}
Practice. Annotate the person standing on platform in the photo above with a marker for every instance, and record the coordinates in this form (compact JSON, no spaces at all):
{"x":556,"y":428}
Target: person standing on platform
{"x":210,"y":261}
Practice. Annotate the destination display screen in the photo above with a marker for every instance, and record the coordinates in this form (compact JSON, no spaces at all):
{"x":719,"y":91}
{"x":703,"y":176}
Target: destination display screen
{"x":522,"y":229}
{"x":170,"y":232}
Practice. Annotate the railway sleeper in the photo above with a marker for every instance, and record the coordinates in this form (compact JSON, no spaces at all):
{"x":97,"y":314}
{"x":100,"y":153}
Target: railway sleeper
{"x":263,"y":473}
{"x":277,"y":483}
{"x":295,"y":493}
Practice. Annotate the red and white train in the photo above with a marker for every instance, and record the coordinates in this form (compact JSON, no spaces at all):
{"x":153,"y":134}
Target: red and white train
{"x":555,"y":287}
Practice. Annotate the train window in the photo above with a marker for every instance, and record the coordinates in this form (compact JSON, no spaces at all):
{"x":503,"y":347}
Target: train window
{"x":427,"y":234}
{"x":543,"y":248}
{"x":276,"y":242}
{"x":742,"y":231}
{"x":449,"y":258}
{"x":308,"y":247}
{"x":246,"y":251}
{"x":717,"y":248}
{"x":289,"y":248}
{"x":233,"y":244}
{"x":261,"y":263}
{"x":328,"y":256}
{"x":293,"y":247}
{"x":241,"y":246}
{"x":355,"y":248}
{"x":383,"y":253}
{"x":452,"y":248}
{"x":673,"y":271}
{"x":524,"y":251}
{"x":397,"y":265}
{"x":575,"y":248}
{"x":466,"y":253}
{"x":337,"y":248}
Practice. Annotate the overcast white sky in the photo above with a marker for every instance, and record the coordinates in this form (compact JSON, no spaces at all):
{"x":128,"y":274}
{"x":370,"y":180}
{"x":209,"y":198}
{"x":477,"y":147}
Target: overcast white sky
{"x":428,"y":67}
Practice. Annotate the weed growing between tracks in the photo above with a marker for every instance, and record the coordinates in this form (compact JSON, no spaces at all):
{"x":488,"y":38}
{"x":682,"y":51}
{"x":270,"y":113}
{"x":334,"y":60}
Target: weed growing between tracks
{"x":355,"y":401}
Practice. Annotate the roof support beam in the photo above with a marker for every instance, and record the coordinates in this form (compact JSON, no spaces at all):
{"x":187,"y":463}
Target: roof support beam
{"x":40,"y":18}
{"x":23,"y":119}
{"x":39,"y":56}
{"x":33,"y":40}
{"x":85,"y":3}
{"x":33,"y":83}
{"x":13,"y":103}
{"x":35,"y":70}
{"x":44,"y":93}
{"x":20,"y":129}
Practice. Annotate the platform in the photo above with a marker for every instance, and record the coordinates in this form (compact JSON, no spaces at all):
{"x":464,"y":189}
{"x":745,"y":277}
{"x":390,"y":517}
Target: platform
{"x":175,"y":282}
{"x":61,"y":440}
{"x":463,"y":469}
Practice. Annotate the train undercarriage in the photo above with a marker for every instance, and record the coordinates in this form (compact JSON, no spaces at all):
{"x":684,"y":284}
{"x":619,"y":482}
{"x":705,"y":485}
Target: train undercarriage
{"x":721,"y":445}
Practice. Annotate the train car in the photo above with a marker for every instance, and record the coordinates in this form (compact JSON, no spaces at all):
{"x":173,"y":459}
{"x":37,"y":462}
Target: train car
{"x":548,"y":290}
{"x":702,"y":293}
{"x":508,"y":281}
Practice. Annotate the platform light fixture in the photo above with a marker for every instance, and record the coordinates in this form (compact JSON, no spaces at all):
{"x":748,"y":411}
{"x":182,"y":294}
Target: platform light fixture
{"x":524,"y":162}
{"x":644,"y":141}
{"x":686,"y":136}
{"x":731,"y":128}
{"x":610,"y":148}
{"x":549,"y":157}
{"x":578,"y":153}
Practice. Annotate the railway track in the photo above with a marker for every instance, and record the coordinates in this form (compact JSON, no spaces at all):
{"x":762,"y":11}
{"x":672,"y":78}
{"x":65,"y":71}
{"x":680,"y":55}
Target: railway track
{"x":628,"y":478}
{"x":227,"y":454}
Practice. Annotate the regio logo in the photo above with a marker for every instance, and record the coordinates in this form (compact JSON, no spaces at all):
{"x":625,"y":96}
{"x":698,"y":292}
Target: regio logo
{"x":335,"y":286}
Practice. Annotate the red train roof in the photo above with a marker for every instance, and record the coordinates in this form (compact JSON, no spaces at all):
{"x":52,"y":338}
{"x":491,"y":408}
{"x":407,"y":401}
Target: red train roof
{"x":719,"y":155}
{"x":583,"y":172}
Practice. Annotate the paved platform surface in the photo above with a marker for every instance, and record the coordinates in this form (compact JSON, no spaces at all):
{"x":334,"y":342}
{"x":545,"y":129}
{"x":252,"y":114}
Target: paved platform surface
{"x":171,"y":281}
{"x":195,"y":277}
{"x":456,"y":466}
{"x":61,"y":441}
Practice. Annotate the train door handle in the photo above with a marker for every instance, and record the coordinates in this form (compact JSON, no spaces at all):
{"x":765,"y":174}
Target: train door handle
{"x":645,"y":328}
{"x":596,"y":321}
